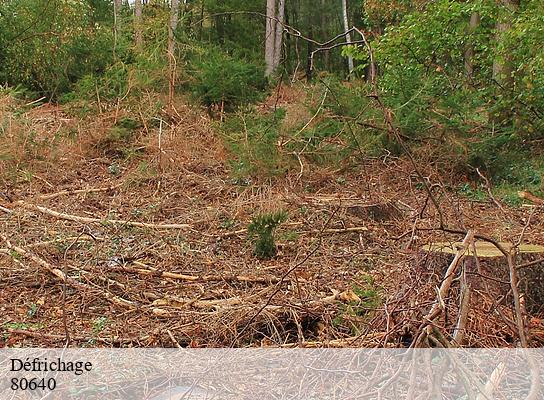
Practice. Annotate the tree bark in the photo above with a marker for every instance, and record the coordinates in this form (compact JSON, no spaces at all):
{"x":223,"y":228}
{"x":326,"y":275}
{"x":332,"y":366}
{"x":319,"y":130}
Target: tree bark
{"x":469,"y":52}
{"x":502,"y":65}
{"x":278,"y":40}
{"x":270,"y":36}
{"x":138,"y":34}
{"x":346,"y":29}
{"x":502,"y":68}
{"x":325,"y":34}
{"x":116,"y":9}
{"x":174,"y":13}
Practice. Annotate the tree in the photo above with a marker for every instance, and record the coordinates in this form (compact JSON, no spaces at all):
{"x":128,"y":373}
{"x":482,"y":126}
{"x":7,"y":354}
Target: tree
{"x":279,"y":35}
{"x":138,"y":34}
{"x":469,"y":52}
{"x":346,"y":29}
{"x":173,"y":24}
{"x":275,"y":16}
{"x":502,"y":68}
{"x":502,"y":64}
{"x":270,"y":38}
{"x":117,"y":4}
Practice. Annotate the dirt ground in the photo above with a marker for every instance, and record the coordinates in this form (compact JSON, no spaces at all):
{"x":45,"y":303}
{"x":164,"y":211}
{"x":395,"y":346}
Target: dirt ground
{"x":152,"y":250}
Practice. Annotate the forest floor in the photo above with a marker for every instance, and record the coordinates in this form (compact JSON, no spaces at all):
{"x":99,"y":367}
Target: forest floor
{"x":76,"y":261}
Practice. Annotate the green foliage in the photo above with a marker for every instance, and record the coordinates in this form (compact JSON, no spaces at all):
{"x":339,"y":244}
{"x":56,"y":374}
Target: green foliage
{"x":251,"y":137}
{"x":348,"y":124}
{"x":235,"y":26}
{"x":222,"y":79}
{"x":477,"y":121}
{"x":261,"y":232}
{"x":48,"y":45}
{"x":99,"y":324}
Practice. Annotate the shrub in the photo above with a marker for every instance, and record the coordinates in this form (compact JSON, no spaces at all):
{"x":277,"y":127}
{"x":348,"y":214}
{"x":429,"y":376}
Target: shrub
{"x":251,"y":137}
{"x":261,"y":232}
{"x":63,"y":42}
{"x":222,"y":79}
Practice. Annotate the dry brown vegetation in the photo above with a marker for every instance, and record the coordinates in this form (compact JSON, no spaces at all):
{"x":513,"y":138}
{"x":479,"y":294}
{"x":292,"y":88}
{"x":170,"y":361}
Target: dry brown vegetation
{"x":149,"y":247}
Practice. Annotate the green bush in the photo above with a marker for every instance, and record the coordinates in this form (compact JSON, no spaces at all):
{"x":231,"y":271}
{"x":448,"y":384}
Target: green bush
{"x":252,"y":139}
{"x":261,"y":232}
{"x":63,"y":42}
{"x":219,"y":78}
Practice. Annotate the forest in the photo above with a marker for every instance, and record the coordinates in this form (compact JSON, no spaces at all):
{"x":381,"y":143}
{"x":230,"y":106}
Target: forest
{"x":279,"y":173}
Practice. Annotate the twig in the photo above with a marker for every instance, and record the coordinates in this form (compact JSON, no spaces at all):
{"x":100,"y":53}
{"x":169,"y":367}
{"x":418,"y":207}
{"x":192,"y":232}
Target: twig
{"x":489,"y":192}
{"x":530,"y":263}
{"x":517,"y":304}
{"x":173,"y":339}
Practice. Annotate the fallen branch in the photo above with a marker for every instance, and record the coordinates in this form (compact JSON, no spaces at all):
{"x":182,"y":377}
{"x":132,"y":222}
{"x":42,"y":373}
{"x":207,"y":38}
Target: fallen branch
{"x":6,"y":210}
{"x":326,"y":231}
{"x":87,"y":220}
{"x":148,"y":270}
{"x":526,"y":195}
{"x":50,"y":196}
{"x":62,"y":276}
{"x":39,"y":335}
{"x":341,"y":343}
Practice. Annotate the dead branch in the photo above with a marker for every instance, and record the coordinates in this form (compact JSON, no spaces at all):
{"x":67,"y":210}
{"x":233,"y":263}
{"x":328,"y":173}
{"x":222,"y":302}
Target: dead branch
{"x":48,"y":336}
{"x":148,"y":270}
{"x":63,"y":277}
{"x":443,"y":291}
{"x":88,"y":220}
{"x":78,"y":191}
{"x":526,"y":195}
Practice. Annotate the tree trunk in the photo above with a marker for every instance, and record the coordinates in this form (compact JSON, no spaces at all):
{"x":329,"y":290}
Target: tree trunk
{"x":138,"y":34}
{"x":270,"y":36}
{"x":116,"y":9}
{"x":346,"y":29}
{"x":279,"y":34}
{"x":469,"y":52}
{"x":174,"y":13}
{"x":325,"y":34}
{"x":502,"y":68}
{"x":309,"y":51}
{"x":502,"y":65}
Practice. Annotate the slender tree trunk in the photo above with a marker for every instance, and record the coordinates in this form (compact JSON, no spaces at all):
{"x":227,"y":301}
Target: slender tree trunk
{"x":324,"y":34}
{"x":309,"y":50}
{"x":116,"y":9}
{"x":201,"y":22}
{"x":270,"y":36}
{"x":469,"y":52}
{"x":174,"y":13}
{"x":346,"y":29}
{"x":502,"y":68}
{"x":502,"y":65}
{"x":138,"y":34}
{"x":279,"y":34}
